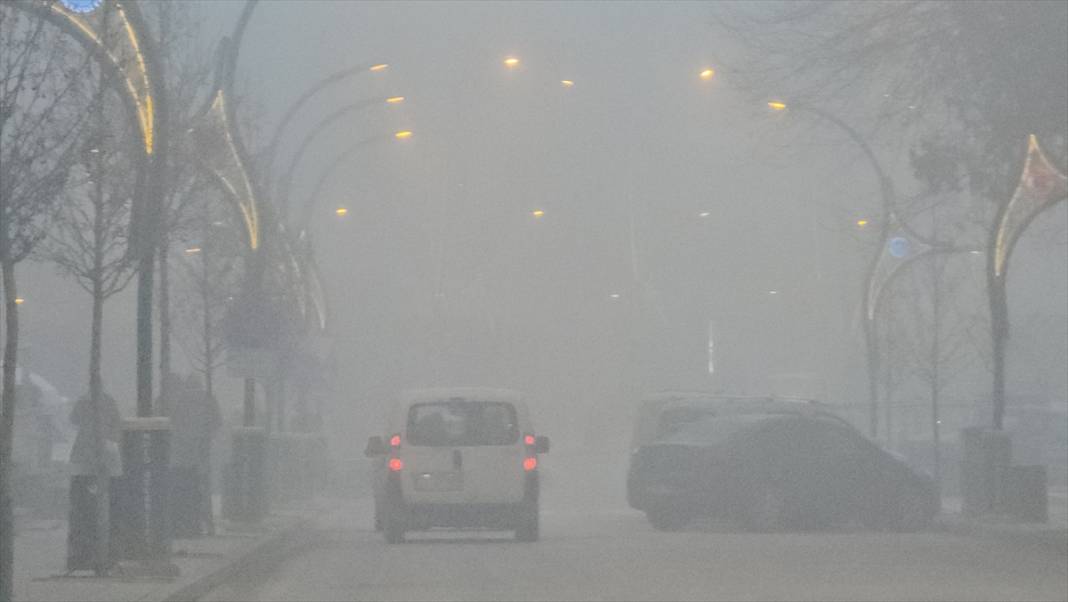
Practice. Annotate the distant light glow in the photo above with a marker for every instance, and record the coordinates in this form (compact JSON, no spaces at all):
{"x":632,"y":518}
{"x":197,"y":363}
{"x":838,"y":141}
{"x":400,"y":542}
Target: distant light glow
{"x":511,"y":62}
{"x":704,"y":214}
{"x":380,"y":67}
{"x":773,"y":292}
{"x":395,"y":100}
{"x":707,"y":74}
{"x":341,"y":211}
{"x":192,"y":250}
{"x":19,"y":300}
{"x":614,"y":296}
{"x":538,"y":213}
{"x":530,"y":464}
{"x":528,"y":439}
{"x":403,"y":135}
{"x":862,"y":222}
{"x":776,"y":105}
{"x":976,"y":252}
{"x":567,"y":83}
{"x":396,"y":464}
{"x":395,"y":440}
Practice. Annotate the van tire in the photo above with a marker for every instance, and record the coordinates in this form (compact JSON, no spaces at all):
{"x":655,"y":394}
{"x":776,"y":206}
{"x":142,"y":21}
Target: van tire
{"x":527,"y":529}
{"x":393,"y":526}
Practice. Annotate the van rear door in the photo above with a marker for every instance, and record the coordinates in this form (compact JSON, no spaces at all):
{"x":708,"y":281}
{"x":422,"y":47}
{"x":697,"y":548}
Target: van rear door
{"x":461,"y":451}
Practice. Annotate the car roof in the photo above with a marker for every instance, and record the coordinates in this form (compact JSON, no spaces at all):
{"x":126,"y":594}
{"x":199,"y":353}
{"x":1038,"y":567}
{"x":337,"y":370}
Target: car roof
{"x":467,"y":393}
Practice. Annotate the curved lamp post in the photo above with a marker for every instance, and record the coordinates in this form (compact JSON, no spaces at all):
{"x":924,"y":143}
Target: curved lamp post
{"x":1041,"y":186}
{"x":286,"y":181}
{"x":140,"y":84}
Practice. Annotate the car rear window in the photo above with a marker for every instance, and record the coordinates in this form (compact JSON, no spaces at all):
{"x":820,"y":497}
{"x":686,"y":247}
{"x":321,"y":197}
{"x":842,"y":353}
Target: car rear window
{"x":462,"y":423}
{"x":712,"y":429}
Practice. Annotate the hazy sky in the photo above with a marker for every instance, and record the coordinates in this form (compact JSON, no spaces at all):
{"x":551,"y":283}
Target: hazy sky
{"x":440,"y":274}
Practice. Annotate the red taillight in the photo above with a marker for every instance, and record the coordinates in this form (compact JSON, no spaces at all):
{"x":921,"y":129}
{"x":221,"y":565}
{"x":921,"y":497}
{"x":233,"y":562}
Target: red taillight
{"x":396,"y":464}
{"x":395,"y":440}
{"x":530,"y":463}
{"x":528,"y":439}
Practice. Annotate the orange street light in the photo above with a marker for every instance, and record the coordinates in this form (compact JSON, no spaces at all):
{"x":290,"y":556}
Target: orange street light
{"x":776,"y":105}
{"x":393,"y":100}
{"x":707,"y":74}
{"x":511,"y":62}
{"x":403,"y":135}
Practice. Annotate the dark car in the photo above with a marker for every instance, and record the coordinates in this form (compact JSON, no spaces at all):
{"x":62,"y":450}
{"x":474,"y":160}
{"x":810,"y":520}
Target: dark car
{"x":772,"y":471}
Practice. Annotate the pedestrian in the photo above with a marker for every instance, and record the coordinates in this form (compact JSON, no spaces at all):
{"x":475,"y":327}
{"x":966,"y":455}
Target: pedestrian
{"x":94,"y":454}
{"x":195,"y":419}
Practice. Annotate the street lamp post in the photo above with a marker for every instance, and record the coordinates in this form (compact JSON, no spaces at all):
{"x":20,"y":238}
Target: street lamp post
{"x":886,"y":191}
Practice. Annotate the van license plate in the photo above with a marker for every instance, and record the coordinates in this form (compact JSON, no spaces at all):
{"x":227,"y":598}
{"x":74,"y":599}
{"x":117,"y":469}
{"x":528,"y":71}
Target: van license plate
{"x":438,"y":481}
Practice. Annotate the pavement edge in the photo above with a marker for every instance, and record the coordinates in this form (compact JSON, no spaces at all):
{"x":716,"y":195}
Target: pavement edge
{"x":270,"y":549}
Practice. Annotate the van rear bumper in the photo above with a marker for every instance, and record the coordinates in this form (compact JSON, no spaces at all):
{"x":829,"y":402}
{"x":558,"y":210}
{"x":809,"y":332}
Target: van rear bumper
{"x":490,"y":516}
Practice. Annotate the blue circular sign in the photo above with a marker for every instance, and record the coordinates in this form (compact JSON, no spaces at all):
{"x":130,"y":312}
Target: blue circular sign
{"x":898,"y":246}
{"x":81,"y":6}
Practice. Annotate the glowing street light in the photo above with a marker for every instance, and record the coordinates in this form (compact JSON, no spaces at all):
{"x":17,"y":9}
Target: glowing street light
{"x":777,"y":105}
{"x":567,"y":83}
{"x":192,"y":250}
{"x":538,"y":213}
{"x":614,"y":296}
{"x":861,"y":223}
{"x":707,"y":74}
{"x":378,"y":67}
{"x":393,"y":100}
{"x":511,"y":62}
{"x":403,"y":135}
{"x":773,"y":292}
{"x":704,"y":214}
{"x":19,"y":300}
{"x":341,"y":211}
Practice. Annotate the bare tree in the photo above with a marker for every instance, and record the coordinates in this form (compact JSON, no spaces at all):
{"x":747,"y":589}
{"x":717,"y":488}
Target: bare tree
{"x":89,"y":242}
{"x":42,"y":103}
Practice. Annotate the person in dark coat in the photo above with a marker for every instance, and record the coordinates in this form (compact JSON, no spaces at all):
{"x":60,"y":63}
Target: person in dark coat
{"x":85,"y":468}
{"x":195,"y":418}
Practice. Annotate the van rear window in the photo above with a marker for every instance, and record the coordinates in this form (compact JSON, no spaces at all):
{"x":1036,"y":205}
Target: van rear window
{"x":462,"y":423}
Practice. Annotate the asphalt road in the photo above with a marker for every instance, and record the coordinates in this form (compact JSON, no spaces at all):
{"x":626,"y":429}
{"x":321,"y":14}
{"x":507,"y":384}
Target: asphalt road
{"x":602,"y":551}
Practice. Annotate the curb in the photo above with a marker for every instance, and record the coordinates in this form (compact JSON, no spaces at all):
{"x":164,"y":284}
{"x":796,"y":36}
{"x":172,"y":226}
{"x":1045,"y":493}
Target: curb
{"x":271,"y":549}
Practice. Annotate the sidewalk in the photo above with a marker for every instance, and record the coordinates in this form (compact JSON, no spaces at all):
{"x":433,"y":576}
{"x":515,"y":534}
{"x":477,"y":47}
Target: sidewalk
{"x":1053,"y":533}
{"x":204,"y":563}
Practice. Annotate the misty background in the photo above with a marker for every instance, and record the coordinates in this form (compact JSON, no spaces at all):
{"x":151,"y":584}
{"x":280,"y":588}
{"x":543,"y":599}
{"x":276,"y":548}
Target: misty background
{"x":673,"y":207}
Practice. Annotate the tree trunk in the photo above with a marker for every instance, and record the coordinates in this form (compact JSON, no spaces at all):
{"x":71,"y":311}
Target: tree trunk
{"x":100,"y":425}
{"x":205,"y":298}
{"x":11,"y":345}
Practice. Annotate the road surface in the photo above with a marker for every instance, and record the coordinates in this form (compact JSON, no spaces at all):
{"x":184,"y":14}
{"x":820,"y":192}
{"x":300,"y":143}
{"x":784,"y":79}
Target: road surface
{"x":600,"y":550}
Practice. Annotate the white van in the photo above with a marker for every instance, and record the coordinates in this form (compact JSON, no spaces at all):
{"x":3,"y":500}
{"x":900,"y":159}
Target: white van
{"x":461,"y":458}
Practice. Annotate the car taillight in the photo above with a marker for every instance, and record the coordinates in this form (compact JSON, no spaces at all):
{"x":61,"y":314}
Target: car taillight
{"x":396,"y":464}
{"x":530,"y":463}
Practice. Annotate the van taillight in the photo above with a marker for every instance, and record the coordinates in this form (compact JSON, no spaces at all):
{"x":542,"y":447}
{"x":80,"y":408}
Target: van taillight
{"x":530,"y":463}
{"x":395,"y":440}
{"x":396,"y":464}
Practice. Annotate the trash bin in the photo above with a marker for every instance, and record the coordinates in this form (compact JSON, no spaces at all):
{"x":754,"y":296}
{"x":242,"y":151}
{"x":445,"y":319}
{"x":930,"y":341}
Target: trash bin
{"x":983,"y":453}
{"x":81,"y":524}
{"x":140,"y":498}
{"x":1023,"y":494}
{"x":244,"y":493}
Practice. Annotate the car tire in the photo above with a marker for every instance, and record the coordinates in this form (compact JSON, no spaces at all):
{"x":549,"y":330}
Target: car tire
{"x":766,"y":511}
{"x":527,"y":529}
{"x":912,"y":512}
{"x":668,"y":518}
